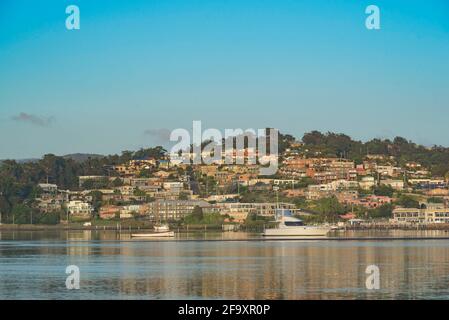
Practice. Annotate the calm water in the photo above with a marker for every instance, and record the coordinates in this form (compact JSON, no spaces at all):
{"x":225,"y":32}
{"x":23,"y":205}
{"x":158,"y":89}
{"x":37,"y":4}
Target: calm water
{"x":112,"y":266}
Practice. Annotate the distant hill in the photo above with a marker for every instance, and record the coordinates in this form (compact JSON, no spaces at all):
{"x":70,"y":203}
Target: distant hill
{"x":28,"y":160}
{"x":21,"y":160}
{"x":80,"y":157}
{"x":77,"y":157}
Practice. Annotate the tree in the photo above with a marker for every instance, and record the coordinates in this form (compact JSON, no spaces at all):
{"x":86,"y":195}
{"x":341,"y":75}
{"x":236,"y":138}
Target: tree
{"x":435,"y":200}
{"x":285,"y":140}
{"x":384,"y":190}
{"x":22,"y":214}
{"x":330,"y":208}
{"x":407,"y":202}
{"x":156,"y":153}
{"x":385,"y":211}
{"x":305,"y":182}
{"x":117,"y":182}
{"x":197,"y":213}
{"x":88,"y":184}
{"x":313,"y":138}
{"x":97,"y":202}
{"x":51,"y":218}
{"x":300,"y":202}
{"x":139,"y":193}
{"x":183,"y":196}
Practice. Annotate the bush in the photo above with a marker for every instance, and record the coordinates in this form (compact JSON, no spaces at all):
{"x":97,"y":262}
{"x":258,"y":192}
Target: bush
{"x":384,"y":190}
{"x":22,"y":214}
{"x":385,"y":211}
{"x":213,"y":218}
{"x":50,"y":218}
{"x":435,"y":200}
{"x":407,"y":202}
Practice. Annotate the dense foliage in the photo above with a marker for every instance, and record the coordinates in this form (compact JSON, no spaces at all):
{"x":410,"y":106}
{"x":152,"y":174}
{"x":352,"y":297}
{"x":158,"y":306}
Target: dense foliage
{"x":18,"y":181}
{"x":435,"y":158}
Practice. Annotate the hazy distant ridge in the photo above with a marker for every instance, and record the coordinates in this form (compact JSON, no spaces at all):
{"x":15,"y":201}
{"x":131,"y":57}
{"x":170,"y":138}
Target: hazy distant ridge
{"x":77,"y":157}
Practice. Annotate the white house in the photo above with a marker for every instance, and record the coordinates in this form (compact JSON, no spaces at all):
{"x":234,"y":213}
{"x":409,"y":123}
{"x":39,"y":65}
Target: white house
{"x":79,"y":208}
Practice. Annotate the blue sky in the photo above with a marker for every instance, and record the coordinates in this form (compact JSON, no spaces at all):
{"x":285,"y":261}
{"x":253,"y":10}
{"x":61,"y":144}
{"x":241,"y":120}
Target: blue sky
{"x":140,"y":66}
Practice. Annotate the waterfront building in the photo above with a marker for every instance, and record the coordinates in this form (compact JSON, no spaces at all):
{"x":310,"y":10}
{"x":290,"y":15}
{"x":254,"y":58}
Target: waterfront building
{"x":266,"y":209}
{"x":430,"y":215}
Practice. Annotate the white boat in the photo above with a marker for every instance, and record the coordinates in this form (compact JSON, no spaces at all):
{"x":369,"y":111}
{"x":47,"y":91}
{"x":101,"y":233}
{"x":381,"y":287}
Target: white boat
{"x":291,"y":226}
{"x":153,"y":234}
{"x":161,"y":230}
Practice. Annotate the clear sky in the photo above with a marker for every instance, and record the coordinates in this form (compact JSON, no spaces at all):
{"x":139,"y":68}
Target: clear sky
{"x":138,"y":68}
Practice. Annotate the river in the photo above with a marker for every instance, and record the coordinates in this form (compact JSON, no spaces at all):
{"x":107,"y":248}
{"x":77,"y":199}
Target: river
{"x":199,"y":266}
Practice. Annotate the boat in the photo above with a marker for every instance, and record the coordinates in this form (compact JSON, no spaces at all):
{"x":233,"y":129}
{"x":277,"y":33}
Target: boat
{"x":335,"y":228}
{"x":153,"y":234}
{"x":287,"y":225}
{"x":160,"y":230}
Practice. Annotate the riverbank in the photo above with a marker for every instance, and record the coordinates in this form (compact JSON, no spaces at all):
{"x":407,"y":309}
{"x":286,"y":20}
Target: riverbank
{"x":123,"y":226}
{"x":116,"y":227}
{"x":387,"y":226}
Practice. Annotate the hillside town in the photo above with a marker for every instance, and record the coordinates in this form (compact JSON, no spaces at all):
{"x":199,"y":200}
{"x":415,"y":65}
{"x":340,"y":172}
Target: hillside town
{"x":149,"y":186}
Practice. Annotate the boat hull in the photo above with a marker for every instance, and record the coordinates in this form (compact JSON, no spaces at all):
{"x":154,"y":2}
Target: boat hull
{"x":153,"y":235}
{"x":303,"y":231}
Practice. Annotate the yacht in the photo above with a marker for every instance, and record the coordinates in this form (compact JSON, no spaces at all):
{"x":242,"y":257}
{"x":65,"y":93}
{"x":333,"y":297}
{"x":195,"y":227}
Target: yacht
{"x":287,"y":225}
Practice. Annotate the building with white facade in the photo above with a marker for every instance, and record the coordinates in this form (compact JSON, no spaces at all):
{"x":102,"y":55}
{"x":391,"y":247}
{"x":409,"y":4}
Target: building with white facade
{"x":79,"y":208}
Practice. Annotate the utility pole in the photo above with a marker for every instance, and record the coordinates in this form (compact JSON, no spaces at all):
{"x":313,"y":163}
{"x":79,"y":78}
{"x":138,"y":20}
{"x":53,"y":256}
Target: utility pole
{"x":1,"y":194}
{"x":66,"y":208}
{"x":276,"y":188}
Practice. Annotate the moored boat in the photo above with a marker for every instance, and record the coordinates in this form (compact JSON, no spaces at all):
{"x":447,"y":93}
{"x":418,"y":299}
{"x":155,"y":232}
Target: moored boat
{"x":153,"y":234}
{"x":160,"y":230}
{"x":287,"y":225}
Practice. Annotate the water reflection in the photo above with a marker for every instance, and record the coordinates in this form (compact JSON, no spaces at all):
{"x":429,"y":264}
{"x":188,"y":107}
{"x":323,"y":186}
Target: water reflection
{"x":113,"y":266}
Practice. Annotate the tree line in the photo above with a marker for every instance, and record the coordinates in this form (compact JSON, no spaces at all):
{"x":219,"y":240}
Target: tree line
{"x":435,"y":158}
{"x":19,"y":181}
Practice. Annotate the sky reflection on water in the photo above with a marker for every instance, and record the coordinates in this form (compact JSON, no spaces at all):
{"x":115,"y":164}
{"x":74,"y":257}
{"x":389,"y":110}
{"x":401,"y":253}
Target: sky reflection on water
{"x":32,"y":266}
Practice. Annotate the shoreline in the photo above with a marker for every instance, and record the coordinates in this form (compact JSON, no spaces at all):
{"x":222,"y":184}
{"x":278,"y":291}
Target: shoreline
{"x":206,"y":228}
